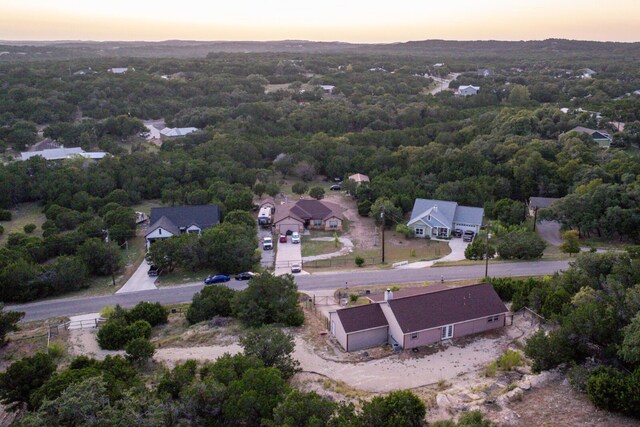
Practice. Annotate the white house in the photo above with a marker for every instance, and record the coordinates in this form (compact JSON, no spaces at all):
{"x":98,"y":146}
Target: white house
{"x":327,"y":89}
{"x":436,"y":218}
{"x":120,"y":70}
{"x":468,"y":90}
{"x":176,"y":132}
{"x":63,"y":153}
{"x":167,"y":222}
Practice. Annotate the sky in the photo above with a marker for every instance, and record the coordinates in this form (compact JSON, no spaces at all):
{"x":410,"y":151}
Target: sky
{"x":366,"y":21}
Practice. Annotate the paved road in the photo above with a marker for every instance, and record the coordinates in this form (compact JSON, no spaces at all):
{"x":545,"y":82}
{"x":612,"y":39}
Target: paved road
{"x":319,"y":281}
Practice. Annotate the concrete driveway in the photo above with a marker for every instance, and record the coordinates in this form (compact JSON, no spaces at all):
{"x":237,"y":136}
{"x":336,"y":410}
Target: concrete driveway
{"x":140,"y":281}
{"x":287,"y":254}
{"x":266,"y":261}
{"x":457,"y":246}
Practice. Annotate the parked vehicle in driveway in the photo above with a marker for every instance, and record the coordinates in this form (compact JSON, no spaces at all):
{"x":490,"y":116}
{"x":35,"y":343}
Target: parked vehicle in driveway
{"x":468,"y":235}
{"x":153,"y":271}
{"x":335,"y":187}
{"x":218,"y":278}
{"x":283,"y":238}
{"x":295,"y":237}
{"x":245,"y":276}
{"x":296,"y":268}
{"x":457,"y":232}
{"x":267,"y":243}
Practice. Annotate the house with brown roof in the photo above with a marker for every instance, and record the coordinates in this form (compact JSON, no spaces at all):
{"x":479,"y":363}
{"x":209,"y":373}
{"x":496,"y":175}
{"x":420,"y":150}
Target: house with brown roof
{"x":419,"y":319}
{"x":310,"y":214}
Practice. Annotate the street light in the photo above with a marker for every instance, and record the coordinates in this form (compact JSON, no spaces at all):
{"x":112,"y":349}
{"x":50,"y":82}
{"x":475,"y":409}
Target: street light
{"x":486,"y":256}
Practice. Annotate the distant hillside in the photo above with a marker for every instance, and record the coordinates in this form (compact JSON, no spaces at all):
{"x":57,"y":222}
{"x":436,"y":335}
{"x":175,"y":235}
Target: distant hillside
{"x":551,"y":48}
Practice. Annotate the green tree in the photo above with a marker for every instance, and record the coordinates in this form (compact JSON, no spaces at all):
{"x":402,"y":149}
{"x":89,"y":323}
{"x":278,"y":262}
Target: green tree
{"x":304,"y":410}
{"x":392,"y":213}
{"x":139,"y":350}
{"x":317,"y":193}
{"x":259,"y":189}
{"x":521,"y":245}
{"x":231,"y":247}
{"x":8,"y":323}
{"x":630,"y":347}
{"x":273,"y":347}
{"x":101,"y":258}
{"x":269,"y":299}
{"x":173,"y":382}
{"x":519,"y":95}
{"x":201,"y":402}
{"x":154,"y":313}
{"x":397,"y":409}
{"x":571,"y":242}
{"x":478,"y":249}
{"x":241,"y":218}
{"x":299,"y":188}
{"x":228,"y":368}
{"x":211,"y":301}
{"x":24,"y":377}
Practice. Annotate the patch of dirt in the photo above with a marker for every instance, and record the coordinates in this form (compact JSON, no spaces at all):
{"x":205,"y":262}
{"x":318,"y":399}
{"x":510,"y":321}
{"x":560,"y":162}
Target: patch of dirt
{"x":557,"y":404}
{"x":361,"y":229}
{"x":84,"y":342}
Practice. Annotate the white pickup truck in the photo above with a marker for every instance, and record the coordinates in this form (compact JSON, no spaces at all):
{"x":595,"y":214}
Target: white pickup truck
{"x":267,"y":243}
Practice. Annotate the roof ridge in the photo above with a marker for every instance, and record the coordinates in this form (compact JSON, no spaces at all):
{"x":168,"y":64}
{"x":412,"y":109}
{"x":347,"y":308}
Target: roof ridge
{"x":439,"y":290}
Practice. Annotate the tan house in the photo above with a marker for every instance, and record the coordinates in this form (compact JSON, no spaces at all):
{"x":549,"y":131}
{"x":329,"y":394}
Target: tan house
{"x":418,"y":319}
{"x":359,"y":178}
{"x":308,"y":213}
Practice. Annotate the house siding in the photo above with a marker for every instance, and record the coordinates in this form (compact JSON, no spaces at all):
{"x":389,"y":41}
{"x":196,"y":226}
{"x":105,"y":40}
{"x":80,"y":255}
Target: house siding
{"x":159,"y":233}
{"x":367,"y":339}
{"x":327,"y":227}
{"x":289,"y":224}
{"x":395,"y":332}
{"x":340,"y":335}
{"x":431,"y":336}
{"x":426,"y":228}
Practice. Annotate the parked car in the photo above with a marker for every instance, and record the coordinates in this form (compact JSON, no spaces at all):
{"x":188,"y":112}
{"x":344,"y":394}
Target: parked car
{"x":218,"y":278}
{"x":283,"y":238}
{"x":267,"y":243}
{"x":247,"y":275}
{"x":153,"y":271}
{"x":457,"y":233}
{"x":468,"y":236}
{"x":289,"y":232}
{"x":335,"y":187}
{"x":296,"y":268}
{"x":295,"y":237}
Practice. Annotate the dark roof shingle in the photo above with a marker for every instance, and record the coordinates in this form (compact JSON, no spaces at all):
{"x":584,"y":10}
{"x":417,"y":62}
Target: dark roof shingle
{"x":203,"y":216}
{"x":445,"y":307}
{"x":362,"y":317}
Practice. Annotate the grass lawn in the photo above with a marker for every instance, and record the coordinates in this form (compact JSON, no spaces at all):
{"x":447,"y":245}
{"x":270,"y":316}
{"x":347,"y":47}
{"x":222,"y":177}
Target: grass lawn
{"x":23,"y":214}
{"x":179,"y":277}
{"x":316,"y":247}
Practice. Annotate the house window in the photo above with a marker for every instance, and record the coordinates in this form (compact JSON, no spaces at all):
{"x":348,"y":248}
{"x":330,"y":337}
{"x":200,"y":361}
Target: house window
{"x":333,"y":224}
{"x":493,"y":319}
{"x":419,"y":231}
{"x":428,"y":217}
{"x":317,"y":222}
{"x":414,"y":336}
{"x":447,"y":332}
{"x":159,"y":230}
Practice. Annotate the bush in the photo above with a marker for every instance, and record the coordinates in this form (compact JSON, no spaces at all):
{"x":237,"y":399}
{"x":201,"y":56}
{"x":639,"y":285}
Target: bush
{"x":213,"y":300}
{"x":139,"y":350}
{"x":491,"y":369}
{"x":317,"y":193}
{"x":172,"y":382}
{"x":113,"y":334}
{"x":606,"y":389}
{"x":478,"y":248}
{"x":404,"y":230}
{"x":155,"y":314}
{"x":509,"y":360}
{"x":521,"y":245}
{"x":353,"y":297}
{"x":1,"y":230}
{"x":138,"y":329}
{"x":56,"y":350}
{"x":29,"y":228}
{"x":299,"y":188}
{"x":5,"y":215}
{"x":24,"y":377}
{"x":359,"y":261}
{"x":364,"y":207}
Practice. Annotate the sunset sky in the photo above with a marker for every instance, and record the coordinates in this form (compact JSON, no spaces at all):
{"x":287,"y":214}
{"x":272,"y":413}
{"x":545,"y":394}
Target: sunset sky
{"x":345,"y":20}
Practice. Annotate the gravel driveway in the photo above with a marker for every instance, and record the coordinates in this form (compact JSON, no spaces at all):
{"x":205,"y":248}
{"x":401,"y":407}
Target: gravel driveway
{"x":550,"y":232}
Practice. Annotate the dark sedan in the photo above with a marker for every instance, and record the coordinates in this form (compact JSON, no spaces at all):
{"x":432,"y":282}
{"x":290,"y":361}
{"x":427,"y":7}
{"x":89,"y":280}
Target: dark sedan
{"x":218,"y":278}
{"x":247,"y":275}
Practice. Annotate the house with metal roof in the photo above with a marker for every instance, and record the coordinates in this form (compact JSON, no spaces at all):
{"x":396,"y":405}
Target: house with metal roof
{"x":62,"y":153}
{"x":172,"y":221}
{"x":437,"y":218}
{"x":601,"y":137}
{"x":468,"y":90}
{"x":425,"y":316}
{"x":177,"y":132}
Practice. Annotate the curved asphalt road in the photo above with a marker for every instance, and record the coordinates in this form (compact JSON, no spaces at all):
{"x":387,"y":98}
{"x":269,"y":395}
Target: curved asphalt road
{"x":319,"y":281}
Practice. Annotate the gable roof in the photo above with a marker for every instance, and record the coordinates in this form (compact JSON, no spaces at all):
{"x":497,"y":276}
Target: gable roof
{"x":177,"y":131}
{"x":203,"y":216}
{"x":53,"y":153}
{"x":541,"y":202}
{"x":362,"y":317}
{"x":309,"y":209}
{"x":438,"y":213}
{"x":463,"y":87}
{"x":595,"y":134}
{"x":358,"y":177}
{"x":45,"y":144}
{"x":446,"y":307}
{"x":409,"y":292}
{"x":468,"y":215}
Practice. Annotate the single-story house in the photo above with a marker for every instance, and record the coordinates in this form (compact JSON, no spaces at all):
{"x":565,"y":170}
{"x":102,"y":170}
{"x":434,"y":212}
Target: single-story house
{"x":468,"y":90}
{"x":421,"y":319}
{"x":587,"y":73}
{"x":601,"y":137}
{"x":120,"y":70}
{"x":46,"y":144}
{"x":308,"y":213}
{"x":176,"y":132}
{"x":84,"y":72}
{"x":436,"y":218}
{"x":63,"y":153}
{"x":484,"y":72}
{"x":167,"y":222}
{"x":327,"y":89}
{"x":359,"y":178}
{"x":536,"y":203}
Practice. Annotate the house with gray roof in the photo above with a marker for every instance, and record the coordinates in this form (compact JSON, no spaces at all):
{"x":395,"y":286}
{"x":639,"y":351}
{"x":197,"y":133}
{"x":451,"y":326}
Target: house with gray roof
{"x":424,"y":316}
{"x":172,"y":221}
{"x":601,"y":137}
{"x":62,"y":153}
{"x":468,"y":90}
{"x":437,"y":218}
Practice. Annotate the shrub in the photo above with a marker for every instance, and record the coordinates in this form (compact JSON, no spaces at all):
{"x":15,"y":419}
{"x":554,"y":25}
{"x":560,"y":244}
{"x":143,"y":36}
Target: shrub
{"x":139,"y":350}
{"x":353,"y":297}
{"x":107,"y":311}
{"x":606,"y":389}
{"x":29,"y":228}
{"x":24,"y":377}
{"x":138,"y":329}
{"x":521,"y":245}
{"x":113,"y":334}
{"x":509,"y":360}
{"x":1,"y":230}
{"x":364,"y":207}
{"x":5,"y":215}
{"x":155,"y":314}
{"x":213,"y":300}
{"x":491,"y":369}
{"x":317,"y":193}
{"x":172,"y":382}
{"x":404,"y":230}
{"x":359,"y":261}
{"x":299,"y":188}
{"x":478,"y":248}
{"x":56,"y":350}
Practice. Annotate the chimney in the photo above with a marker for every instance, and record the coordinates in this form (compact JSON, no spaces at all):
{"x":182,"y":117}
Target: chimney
{"x":388,"y":295}
{"x":435,"y":208}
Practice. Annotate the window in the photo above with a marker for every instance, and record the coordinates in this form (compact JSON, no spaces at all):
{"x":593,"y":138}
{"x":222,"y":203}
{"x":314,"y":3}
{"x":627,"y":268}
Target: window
{"x":419,"y":231}
{"x":333,"y":224}
{"x":414,"y":336}
{"x":493,"y":319}
{"x":317,"y":222}
{"x":447,"y":332}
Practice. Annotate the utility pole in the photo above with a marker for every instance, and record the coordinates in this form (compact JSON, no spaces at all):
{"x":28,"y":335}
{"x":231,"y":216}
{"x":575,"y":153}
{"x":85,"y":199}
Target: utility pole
{"x":486,"y":255}
{"x":382,"y":227}
{"x":535,"y":218}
